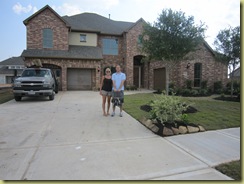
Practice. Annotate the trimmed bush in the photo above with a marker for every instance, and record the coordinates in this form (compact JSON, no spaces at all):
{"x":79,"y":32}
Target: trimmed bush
{"x":188,"y":84}
{"x":194,"y":92}
{"x":204,"y":92}
{"x":204,"y":84}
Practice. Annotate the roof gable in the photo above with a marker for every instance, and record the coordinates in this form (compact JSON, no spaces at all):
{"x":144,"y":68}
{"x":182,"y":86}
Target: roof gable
{"x":137,"y":22}
{"x":26,"y":21}
{"x":209,"y":47}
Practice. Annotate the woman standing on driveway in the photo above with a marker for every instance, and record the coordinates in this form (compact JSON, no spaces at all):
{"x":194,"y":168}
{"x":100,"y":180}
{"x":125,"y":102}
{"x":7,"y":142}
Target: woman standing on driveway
{"x":106,"y":90}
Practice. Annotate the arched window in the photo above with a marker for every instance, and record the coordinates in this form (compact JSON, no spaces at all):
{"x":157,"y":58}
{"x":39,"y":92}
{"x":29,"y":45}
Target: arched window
{"x":47,"y":38}
{"x":197,"y":74}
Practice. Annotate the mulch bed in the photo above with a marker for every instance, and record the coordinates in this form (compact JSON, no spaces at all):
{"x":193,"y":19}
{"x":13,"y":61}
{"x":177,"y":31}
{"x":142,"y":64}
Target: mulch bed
{"x":190,"y":109}
{"x":161,"y":126}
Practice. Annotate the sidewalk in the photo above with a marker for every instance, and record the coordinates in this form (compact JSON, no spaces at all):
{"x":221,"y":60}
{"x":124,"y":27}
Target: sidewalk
{"x":69,"y":139}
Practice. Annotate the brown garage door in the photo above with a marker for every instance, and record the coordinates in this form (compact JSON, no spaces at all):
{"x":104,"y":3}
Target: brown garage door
{"x":160,"y":79}
{"x":79,"y":79}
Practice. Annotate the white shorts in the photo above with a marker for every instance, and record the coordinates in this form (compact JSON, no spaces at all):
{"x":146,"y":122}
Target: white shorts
{"x":106,"y":93}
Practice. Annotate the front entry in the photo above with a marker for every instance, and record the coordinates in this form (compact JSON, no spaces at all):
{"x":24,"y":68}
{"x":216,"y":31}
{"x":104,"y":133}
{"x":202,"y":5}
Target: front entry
{"x":138,"y":72}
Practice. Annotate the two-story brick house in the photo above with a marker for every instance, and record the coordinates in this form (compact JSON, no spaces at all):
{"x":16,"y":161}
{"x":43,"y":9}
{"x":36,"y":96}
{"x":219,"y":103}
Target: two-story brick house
{"x":78,"y":48}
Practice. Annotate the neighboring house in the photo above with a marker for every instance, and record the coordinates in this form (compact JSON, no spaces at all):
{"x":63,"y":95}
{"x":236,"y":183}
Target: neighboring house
{"x":79,"y":47}
{"x":11,"y":68}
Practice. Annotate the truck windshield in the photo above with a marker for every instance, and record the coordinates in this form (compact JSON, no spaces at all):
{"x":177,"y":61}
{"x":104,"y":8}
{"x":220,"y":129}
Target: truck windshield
{"x":35,"y":73}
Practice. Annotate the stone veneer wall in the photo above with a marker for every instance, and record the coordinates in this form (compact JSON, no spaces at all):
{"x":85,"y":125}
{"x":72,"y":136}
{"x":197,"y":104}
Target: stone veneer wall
{"x":47,"y":19}
{"x":72,"y":63}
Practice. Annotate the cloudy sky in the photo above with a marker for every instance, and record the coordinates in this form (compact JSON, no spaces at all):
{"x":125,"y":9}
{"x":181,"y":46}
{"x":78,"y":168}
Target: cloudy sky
{"x":216,"y":14}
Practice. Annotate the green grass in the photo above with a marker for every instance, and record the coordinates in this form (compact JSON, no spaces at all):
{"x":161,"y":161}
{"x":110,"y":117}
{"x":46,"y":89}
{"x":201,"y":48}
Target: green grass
{"x":6,"y":95}
{"x":231,"y":169}
{"x":133,"y":102}
{"x":212,"y":114}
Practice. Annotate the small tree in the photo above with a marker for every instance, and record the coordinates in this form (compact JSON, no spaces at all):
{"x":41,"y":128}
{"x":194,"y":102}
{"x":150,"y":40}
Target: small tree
{"x":171,"y":38}
{"x":228,"y":44}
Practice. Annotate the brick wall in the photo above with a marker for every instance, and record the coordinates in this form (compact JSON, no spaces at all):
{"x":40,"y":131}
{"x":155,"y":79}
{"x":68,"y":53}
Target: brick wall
{"x":47,"y":19}
{"x":133,"y":49}
{"x":72,"y":63}
{"x":113,"y":60}
{"x":212,"y":70}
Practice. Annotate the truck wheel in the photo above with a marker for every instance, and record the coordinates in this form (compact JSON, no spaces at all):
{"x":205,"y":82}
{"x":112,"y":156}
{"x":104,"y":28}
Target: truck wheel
{"x":56,"y":89}
{"x":51,"y":97}
{"x":17,"y":98}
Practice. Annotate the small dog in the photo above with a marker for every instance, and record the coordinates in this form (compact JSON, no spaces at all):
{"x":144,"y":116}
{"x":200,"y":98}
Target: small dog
{"x":116,"y":102}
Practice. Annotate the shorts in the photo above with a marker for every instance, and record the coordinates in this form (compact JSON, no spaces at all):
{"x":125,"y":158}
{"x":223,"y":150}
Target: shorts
{"x":106,"y":93}
{"x":118,"y":95}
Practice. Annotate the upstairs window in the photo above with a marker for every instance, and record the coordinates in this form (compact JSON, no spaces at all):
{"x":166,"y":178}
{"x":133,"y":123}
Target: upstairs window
{"x":47,"y":36}
{"x":110,"y":46}
{"x":139,"y":40}
{"x":197,"y":74}
{"x":82,"y":38}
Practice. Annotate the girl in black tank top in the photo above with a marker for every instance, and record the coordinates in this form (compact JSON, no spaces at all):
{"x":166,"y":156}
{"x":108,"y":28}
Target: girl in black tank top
{"x":106,"y":91}
{"x":107,"y":84}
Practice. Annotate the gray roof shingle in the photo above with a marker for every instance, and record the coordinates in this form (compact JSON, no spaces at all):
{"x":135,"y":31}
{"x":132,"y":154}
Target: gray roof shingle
{"x":74,"y":52}
{"x":12,"y":61}
{"x":96,"y":23}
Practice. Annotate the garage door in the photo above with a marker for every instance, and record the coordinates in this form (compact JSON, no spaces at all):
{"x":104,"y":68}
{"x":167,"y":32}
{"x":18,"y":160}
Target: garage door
{"x":160,"y":79}
{"x":79,"y":79}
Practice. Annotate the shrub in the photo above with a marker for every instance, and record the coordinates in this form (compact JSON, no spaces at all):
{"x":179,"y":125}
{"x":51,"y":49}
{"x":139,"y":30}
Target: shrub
{"x":185,"y":118}
{"x":167,"y":108}
{"x":171,"y":88}
{"x":204,"y":92}
{"x":218,"y":87}
{"x":131,"y":87}
{"x":204,"y":84}
{"x":188,"y":84}
{"x":194,"y":92}
{"x":186,"y":92}
{"x":236,"y":87}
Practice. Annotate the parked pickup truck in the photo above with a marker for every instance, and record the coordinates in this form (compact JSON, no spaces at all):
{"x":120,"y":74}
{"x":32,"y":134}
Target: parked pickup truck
{"x":35,"y":82}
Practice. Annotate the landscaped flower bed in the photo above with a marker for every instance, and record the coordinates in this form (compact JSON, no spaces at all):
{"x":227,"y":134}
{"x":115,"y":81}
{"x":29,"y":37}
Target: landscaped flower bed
{"x":169,"y":116}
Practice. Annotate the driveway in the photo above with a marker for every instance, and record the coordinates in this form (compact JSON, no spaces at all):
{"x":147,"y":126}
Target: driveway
{"x":69,"y":139}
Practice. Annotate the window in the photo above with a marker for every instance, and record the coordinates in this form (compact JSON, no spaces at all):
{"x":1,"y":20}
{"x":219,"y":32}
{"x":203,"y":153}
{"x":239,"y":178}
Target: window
{"x":47,"y":38}
{"x":139,"y":40}
{"x":110,"y":46}
{"x":197,"y":74}
{"x":82,"y":38}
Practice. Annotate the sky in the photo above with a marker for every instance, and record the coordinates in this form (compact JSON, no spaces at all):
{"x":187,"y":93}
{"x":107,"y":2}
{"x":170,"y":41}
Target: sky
{"x":216,"y":14}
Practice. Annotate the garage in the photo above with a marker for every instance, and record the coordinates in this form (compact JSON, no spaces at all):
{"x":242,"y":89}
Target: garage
{"x":79,"y":79}
{"x":159,"y":79}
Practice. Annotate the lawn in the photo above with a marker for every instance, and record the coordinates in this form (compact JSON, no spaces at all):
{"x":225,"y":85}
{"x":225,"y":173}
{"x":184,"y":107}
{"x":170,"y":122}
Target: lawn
{"x":212,"y":114}
{"x":6,"y":95}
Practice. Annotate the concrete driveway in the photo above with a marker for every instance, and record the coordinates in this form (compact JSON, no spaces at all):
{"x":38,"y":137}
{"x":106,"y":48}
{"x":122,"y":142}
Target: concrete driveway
{"x":69,"y":139}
